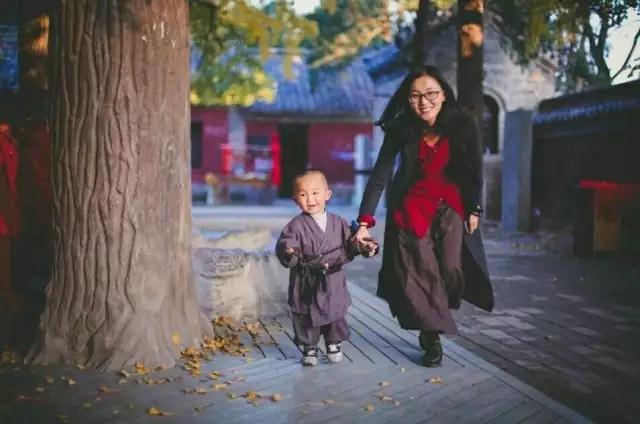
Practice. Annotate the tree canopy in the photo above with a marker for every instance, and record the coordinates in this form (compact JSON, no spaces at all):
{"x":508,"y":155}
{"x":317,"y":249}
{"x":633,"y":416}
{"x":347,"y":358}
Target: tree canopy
{"x":575,"y":32}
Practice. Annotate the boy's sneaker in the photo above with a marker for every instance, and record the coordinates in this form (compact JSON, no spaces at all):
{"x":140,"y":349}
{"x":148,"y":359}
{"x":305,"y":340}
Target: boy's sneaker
{"x":309,"y":356}
{"x":334,"y":352}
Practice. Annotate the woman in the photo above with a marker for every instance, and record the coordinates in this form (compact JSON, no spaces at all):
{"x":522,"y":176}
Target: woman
{"x":433,"y":255}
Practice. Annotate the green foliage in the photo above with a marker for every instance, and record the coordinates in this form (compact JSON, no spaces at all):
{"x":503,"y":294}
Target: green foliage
{"x":235,"y":39}
{"x":562,"y":29}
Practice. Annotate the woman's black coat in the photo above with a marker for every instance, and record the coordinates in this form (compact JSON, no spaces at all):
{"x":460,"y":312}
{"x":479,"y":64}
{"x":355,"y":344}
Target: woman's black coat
{"x":464,"y":169}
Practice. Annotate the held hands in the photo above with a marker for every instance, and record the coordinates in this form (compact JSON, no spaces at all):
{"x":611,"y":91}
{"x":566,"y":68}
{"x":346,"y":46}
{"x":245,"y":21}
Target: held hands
{"x":471,"y":223}
{"x":365,"y":242}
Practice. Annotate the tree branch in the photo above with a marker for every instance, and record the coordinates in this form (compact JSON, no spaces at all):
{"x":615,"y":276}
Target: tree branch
{"x":626,"y":61}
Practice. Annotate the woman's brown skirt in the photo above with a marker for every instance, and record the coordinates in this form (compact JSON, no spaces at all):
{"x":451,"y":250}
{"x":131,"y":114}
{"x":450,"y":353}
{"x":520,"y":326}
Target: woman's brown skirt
{"x":421,"y":278}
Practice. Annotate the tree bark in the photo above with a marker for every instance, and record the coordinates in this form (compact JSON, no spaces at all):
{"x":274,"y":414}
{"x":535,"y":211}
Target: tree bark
{"x":121,"y":284}
{"x":470,"y":57}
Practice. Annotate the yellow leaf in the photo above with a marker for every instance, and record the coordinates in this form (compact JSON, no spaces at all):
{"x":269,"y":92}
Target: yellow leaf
{"x":71,"y":381}
{"x":232,"y":395}
{"x":368,"y":408}
{"x":219,"y":386}
{"x":384,"y":383}
{"x":201,"y":390}
{"x":276,"y":397}
{"x":214,"y":375}
{"x":125,"y":374}
{"x":157,"y":413}
{"x":384,"y":398}
{"x":436,"y":380}
{"x":175,"y":338}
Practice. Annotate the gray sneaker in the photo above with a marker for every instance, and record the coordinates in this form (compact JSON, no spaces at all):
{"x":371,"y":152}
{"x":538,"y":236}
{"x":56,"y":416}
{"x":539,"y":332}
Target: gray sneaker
{"x":334,"y":352}
{"x":309,"y":356}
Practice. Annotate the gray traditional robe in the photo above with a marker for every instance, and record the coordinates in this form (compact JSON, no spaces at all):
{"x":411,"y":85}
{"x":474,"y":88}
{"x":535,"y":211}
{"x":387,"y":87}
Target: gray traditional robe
{"x":303,"y":233}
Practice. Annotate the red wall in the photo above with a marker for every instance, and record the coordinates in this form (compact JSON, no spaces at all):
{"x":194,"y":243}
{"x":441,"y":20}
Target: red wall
{"x":215,"y":132}
{"x":331,"y":148}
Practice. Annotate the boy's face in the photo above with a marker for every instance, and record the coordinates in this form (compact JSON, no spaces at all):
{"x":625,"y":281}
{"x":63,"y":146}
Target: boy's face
{"x":311,"y":193}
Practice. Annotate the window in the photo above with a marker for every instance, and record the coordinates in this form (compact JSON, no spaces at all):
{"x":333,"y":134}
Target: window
{"x":196,"y":145}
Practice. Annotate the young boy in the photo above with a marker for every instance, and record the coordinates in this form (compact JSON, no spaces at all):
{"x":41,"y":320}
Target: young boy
{"x":315,"y":245}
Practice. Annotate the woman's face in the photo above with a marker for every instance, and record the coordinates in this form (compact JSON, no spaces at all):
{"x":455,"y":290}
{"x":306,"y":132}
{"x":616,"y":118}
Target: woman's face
{"x":426,"y":98}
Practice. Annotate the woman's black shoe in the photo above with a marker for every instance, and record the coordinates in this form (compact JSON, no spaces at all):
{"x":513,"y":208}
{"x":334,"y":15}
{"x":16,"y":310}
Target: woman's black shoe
{"x":430,"y":343}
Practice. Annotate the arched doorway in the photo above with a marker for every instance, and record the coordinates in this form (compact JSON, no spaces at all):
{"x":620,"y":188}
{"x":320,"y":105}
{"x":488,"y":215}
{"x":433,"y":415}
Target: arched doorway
{"x":492,"y":158}
{"x":490,"y":115}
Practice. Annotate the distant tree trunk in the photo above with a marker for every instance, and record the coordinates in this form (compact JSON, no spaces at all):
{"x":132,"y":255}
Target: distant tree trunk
{"x":425,"y":11}
{"x":32,"y":252}
{"x":121,"y":284}
{"x":470,"y":57}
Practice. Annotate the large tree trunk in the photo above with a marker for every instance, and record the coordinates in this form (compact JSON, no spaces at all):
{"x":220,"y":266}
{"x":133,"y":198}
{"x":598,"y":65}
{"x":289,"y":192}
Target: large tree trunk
{"x":121,"y":284}
{"x":470,"y":57}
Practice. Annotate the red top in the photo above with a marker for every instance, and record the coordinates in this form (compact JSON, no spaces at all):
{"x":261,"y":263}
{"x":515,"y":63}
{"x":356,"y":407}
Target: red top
{"x":421,"y":201}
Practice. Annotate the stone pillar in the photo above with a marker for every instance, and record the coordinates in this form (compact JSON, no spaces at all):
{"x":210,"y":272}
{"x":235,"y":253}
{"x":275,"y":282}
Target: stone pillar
{"x":516,"y":170}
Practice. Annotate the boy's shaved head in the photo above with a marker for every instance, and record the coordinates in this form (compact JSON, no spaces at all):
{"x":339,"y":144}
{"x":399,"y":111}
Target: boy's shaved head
{"x":312,"y":172}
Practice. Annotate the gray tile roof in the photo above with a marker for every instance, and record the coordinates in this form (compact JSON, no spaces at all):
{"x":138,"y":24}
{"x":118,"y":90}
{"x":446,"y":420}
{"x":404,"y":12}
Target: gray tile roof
{"x":346,"y":93}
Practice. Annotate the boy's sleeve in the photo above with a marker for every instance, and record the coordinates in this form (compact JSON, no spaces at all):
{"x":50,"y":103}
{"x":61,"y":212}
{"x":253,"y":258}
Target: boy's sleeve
{"x":350,"y":250}
{"x":289,"y":238}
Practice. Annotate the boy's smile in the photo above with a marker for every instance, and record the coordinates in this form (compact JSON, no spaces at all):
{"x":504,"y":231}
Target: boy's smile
{"x":311,"y":193}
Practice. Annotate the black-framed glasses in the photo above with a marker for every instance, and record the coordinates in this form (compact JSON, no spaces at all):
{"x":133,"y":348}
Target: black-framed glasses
{"x":430,"y":96}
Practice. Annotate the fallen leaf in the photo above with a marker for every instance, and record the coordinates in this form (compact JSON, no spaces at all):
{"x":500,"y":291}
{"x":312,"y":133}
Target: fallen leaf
{"x":396,"y":403}
{"x":87,"y":405}
{"x":125,"y":374}
{"x":105,"y":389}
{"x":141,"y":369}
{"x":436,"y":380}
{"x":71,"y":382}
{"x":251,"y":395}
{"x":22,"y":397}
{"x":157,"y":413}
{"x":122,"y":381}
{"x":175,"y":338}
{"x":402,"y":369}
{"x":39,"y":389}
{"x":384,"y":398}
{"x":115,"y":411}
{"x":276,"y":397}
{"x":49,"y":380}
{"x":328,"y":402}
{"x":80,"y":367}
{"x":384,"y":383}
{"x":232,"y":395}
{"x":220,"y":386}
{"x":369,"y":408}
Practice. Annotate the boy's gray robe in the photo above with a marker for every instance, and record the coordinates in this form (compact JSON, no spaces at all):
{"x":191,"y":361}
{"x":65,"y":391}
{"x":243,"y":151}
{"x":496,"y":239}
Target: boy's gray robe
{"x":304,"y":234}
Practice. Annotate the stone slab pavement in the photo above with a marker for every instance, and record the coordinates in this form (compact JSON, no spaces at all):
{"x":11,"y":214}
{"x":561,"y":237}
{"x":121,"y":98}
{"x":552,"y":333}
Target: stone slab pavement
{"x":567,"y":326}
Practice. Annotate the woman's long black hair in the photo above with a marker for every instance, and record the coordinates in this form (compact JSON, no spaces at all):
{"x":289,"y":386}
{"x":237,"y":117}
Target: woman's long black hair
{"x":398,"y":110}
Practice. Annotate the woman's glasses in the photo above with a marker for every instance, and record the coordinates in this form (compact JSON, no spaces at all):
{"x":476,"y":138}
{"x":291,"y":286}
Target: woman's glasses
{"x":429,"y":96}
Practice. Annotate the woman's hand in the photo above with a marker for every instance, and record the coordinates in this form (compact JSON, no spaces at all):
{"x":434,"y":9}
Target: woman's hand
{"x":362,"y":233}
{"x":471,"y":224}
